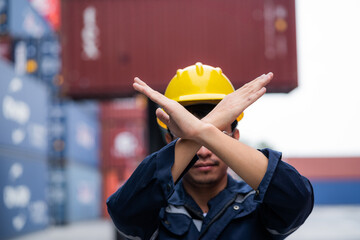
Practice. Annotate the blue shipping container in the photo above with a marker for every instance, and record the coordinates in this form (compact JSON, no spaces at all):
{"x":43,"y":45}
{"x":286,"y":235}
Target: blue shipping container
{"x":38,"y":57}
{"x":82,"y":133}
{"x":3,"y":16}
{"x":50,"y":61}
{"x":25,"y":21}
{"x":23,"y":204}
{"x":24,"y":112}
{"x":336,"y":191}
{"x":83,"y":193}
{"x":26,"y":56}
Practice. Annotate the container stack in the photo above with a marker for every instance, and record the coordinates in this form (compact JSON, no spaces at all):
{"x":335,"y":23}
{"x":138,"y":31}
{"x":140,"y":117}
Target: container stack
{"x":49,"y":157}
{"x":123,"y":141}
{"x":24,"y":101}
{"x":336,"y":180}
{"x":75,"y":180}
{"x":23,"y":153}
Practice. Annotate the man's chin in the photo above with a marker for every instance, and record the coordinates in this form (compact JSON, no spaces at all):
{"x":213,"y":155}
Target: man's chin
{"x":205,"y":182}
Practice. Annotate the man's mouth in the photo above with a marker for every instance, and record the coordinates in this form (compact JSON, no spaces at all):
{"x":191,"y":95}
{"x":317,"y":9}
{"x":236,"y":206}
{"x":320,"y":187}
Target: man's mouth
{"x":205,"y":166}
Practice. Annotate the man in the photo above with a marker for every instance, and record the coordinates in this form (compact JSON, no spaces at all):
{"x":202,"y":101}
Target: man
{"x":183,"y":191}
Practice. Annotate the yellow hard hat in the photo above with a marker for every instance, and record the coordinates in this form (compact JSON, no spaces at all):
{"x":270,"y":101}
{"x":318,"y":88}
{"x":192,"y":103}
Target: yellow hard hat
{"x":198,"y":84}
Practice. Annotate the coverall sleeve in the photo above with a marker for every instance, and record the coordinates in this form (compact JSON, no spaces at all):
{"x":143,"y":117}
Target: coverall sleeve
{"x":287,"y":197}
{"x":134,"y":208}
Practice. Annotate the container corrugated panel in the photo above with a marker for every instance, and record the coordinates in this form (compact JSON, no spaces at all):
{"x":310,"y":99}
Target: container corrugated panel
{"x":82,"y":132}
{"x":336,"y":180}
{"x":123,"y":130}
{"x":106,"y":43}
{"x":23,"y":202}
{"x":23,"y":118}
{"x":83,"y":193}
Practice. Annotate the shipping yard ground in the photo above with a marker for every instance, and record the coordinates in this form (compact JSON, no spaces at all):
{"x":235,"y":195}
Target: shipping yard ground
{"x":326,"y":222}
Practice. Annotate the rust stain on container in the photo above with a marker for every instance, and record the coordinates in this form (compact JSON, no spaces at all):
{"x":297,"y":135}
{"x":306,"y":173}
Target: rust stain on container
{"x":106,"y":43}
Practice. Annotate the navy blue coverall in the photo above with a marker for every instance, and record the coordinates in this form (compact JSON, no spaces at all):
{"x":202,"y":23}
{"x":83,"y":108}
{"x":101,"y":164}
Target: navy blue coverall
{"x":150,"y":206}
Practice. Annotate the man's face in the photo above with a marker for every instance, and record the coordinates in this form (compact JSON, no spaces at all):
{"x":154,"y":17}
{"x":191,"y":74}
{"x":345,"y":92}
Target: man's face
{"x":208,"y":170}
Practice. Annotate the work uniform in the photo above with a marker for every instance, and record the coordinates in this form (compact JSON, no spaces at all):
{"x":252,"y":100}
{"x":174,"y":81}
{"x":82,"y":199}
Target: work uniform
{"x":150,"y":206}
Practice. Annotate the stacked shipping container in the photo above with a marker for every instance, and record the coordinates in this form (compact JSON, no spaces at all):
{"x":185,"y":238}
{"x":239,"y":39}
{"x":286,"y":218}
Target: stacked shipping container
{"x":23,"y":153}
{"x":75,"y":181}
{"x":336,"y":180}
{"x":23,"y":119}
{"x":40,"y":183}
{"x":123,"y":141}
{"x":106,"y":43}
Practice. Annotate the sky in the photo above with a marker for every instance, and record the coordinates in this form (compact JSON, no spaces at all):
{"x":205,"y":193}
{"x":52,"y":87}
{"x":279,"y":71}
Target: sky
{"x":321,"y":117}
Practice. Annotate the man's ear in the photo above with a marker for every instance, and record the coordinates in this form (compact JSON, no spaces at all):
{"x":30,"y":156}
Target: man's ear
{"x":168,"y":138}
{"x":236,"y":134}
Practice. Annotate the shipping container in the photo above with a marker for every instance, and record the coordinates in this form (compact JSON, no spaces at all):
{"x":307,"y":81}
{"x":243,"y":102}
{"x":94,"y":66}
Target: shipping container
{"x":327,"y":167}
{"x":74,"y":132}
{"x":39,"y":58}
{"x":336,"y":180}
{"x":23,"y":21}
{"x":57,"y":130}
{"x":123,"y":131}
{"x":23,"y":119}
{"x":106,"y":43}
{"x":112,"y":179}
{"x":50,"y":60}
{"x":25,"y":56}
{"x":75,"y":193}
{"x":339,"y":191}
{"x":4,"y":16}
{"x":82,"y":132}
{"x":49,"y":10}
{"x":23,"y":190}
{"x":84,"y":193}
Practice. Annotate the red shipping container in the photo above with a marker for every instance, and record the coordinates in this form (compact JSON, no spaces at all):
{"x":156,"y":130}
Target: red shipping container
{"x":113,"y":178}
{"x":123,"y":129}
{"x":327,"y":168}
{"x":106,"y":43}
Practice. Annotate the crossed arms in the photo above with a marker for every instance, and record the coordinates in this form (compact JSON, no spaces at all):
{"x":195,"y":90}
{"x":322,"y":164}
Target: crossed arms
{"x":247,"y":162}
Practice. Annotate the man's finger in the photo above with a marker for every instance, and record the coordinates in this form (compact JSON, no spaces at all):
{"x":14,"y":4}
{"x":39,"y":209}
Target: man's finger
{"x":163,"y":116}
{"x":154,"y":95}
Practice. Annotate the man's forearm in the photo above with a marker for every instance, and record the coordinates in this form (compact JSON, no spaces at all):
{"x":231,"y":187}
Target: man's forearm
{"x":247,"y":162}
{"x":185,"y":150}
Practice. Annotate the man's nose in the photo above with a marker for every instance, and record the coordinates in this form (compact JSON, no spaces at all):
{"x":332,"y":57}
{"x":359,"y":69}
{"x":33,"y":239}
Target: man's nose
{"x":204,"y":152}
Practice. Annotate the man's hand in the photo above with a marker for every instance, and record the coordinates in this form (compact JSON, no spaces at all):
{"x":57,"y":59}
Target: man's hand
{"x":235,"y":103}
{"x":179,"y":120}
{"x":183,"y":124}
{"x":247,"y":162}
